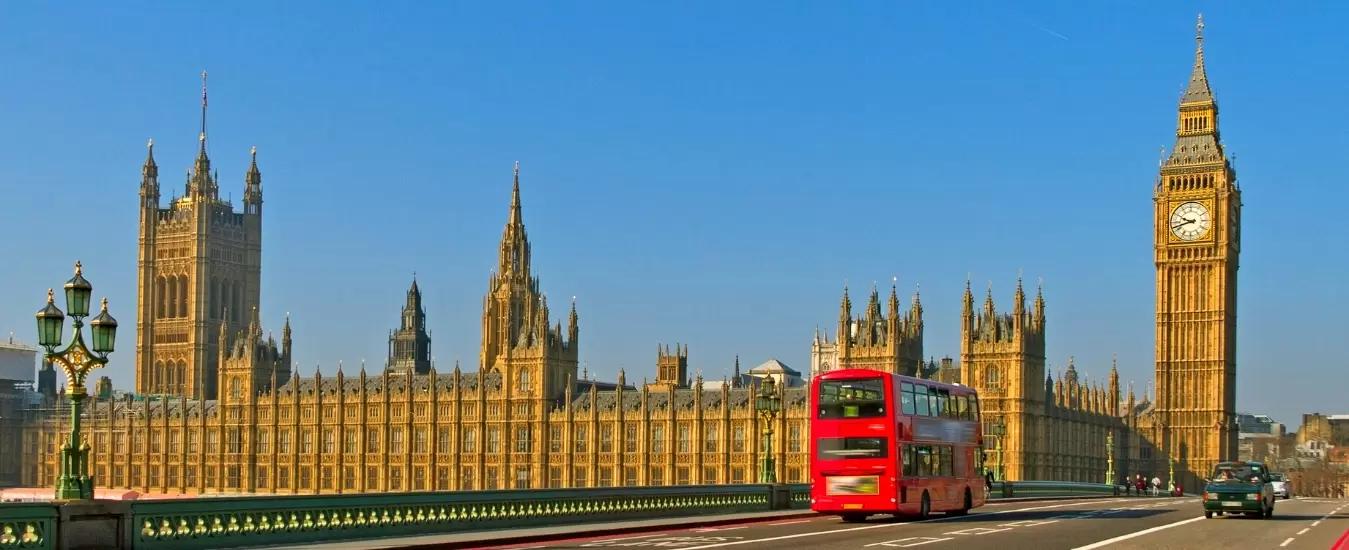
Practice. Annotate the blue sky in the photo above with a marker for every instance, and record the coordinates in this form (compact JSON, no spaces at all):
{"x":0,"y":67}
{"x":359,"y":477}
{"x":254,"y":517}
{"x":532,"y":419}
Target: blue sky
{"x":699,"y":172}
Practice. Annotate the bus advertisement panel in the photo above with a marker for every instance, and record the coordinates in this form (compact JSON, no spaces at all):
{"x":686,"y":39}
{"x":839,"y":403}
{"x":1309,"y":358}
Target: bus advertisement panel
{"x":883,"y":443}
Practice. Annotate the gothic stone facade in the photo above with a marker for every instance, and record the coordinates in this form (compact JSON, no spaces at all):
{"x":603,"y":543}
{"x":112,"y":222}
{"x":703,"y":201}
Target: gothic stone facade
{"x":199,"y":267}
{"x":524,"y":420}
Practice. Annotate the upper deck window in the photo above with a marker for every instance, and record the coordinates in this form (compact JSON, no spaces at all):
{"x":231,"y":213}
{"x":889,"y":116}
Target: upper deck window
{"x":861,"y":398}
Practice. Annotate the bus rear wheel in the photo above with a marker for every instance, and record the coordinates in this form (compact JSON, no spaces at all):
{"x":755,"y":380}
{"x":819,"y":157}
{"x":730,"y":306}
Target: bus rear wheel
{"x":964,"y":508}
{"x":925,"y":508}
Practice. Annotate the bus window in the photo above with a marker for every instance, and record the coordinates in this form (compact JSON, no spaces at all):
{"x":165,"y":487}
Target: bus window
{"x":974,"y":407}
{"x":906,"y":399}
{"x":835,"y":448}
{"x":862,"y":398}
{"x":932,"y":401}
{"x":943,"y":403}
{"x":958,"y":406}
{"x":910,"y":465}
{"x":920,"y":399}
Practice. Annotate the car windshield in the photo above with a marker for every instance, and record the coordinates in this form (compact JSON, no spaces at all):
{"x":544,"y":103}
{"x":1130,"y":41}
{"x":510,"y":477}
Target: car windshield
{"x":1236,"y":472}
{"x":1276,"y":477}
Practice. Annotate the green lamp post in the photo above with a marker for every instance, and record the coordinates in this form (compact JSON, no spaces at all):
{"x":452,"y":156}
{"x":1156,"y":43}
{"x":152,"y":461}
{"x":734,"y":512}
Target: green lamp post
{"x":998,"y":429}
{"x":1110,"y":458}
{"x":1170,"y":476}
{"x":77,"y":360}
{"x":768,"y":403}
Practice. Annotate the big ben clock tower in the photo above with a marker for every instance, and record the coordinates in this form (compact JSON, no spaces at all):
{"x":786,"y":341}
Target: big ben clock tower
{"x":1197,"y":236}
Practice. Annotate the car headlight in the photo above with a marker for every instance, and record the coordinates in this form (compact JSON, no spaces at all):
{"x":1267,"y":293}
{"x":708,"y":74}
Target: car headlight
{"x":1253,"y":496}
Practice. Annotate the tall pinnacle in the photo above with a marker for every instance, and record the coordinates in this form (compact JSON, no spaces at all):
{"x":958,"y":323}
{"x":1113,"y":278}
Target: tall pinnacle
{"x":1198,"y":91}
{"x":515,"y":218}
{"x":202,"y":137}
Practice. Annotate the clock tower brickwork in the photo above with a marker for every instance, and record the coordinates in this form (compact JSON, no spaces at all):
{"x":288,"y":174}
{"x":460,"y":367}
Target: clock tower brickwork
{"x":1197,"y":236}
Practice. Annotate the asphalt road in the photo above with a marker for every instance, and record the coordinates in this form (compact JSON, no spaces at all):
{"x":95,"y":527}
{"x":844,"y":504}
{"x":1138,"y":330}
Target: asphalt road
{"x":1127,"y":522}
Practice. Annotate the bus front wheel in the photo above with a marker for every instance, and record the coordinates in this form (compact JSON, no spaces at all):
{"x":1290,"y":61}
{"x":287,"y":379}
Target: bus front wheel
{"x":925,"y":509}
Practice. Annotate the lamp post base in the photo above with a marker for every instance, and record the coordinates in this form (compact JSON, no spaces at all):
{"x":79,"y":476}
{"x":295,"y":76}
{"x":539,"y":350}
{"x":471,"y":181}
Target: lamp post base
{"x":74,"y":488}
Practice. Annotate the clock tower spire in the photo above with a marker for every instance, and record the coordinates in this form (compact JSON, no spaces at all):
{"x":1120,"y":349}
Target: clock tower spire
{"x":1196,"y":236}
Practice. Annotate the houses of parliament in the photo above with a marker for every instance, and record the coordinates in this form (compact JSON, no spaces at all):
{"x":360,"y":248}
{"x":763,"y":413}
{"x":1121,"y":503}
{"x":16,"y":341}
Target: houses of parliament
{"x":219,"y":409}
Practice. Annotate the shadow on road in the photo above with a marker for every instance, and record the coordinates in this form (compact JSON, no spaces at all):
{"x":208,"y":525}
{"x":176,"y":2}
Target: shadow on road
{"x":1002,"y":517}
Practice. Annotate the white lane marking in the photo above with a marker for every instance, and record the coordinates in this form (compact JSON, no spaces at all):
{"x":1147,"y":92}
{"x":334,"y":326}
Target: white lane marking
{"x":628,"y":538}
{"x":878,"y":526}
{"x":977,"y":531}
{"x":1304,"y":531}
{"x":1286,"y":542}
{"x":792,"y":522}
{"x":909,"y":542}
{"x":1315,"y":523}
{"x":1138,"y":534}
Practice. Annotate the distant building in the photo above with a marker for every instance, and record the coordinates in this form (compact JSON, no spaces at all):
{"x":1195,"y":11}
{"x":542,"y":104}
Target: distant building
{"x":1332,"y":429}
{"x":17,"y":360}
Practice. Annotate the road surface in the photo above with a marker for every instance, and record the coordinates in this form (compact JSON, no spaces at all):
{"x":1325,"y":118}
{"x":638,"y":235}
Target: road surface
{"x":1117,"y":523}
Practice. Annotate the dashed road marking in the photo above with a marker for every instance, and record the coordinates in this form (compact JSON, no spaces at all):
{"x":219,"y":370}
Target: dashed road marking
{"x":1304,"y":531}
{"x":977,"y":531}
{"x":882,"y":525}
{"x":1286,"y":542}
{"x":909,"y":542}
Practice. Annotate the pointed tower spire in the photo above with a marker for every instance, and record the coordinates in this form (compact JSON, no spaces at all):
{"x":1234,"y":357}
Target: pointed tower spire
{"x":150,"y":178}
{"x":253,"y":184}
{"x":515,"y":217}
{"x":200,"y":183}
{"x":967,"y":303}
{"x":893,"y":305}
{"x":1197,"y":91}
{"x":573,"y":328}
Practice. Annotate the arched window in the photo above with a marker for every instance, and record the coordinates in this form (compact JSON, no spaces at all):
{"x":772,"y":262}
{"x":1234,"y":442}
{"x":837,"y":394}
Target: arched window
{"x":182,"y":295}
{"x":236,"y":387}
{"x":991,"y":376}
{"x":159,"y":296}
{"x":170,"y":297}
{"x":524,"y":380}
{"x":182,"y":377}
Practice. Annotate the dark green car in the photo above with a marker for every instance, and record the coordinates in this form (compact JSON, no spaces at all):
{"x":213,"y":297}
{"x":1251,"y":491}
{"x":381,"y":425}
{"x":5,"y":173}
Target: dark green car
{"x":1239,"y":487}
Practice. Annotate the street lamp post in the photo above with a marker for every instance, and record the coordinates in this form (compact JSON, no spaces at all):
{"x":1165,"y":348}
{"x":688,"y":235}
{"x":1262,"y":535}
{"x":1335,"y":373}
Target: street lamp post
{"x":768,"y":403}
{"x":77,"y":360}
{"x":1110,"y":458}
{"x":997,"y":429}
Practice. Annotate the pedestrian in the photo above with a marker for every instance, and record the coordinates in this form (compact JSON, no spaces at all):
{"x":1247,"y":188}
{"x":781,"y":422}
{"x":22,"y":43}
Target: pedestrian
{"x":1156,"y":485}
{"x":1139,"y":484}
{"x":988,"y":481}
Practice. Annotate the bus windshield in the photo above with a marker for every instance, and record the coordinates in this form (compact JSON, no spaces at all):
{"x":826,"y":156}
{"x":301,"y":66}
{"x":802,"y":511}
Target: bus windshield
{"x":860,"y":398}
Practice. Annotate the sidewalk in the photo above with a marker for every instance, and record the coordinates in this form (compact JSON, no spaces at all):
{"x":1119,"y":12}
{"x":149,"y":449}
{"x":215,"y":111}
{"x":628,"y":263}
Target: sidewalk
{"x":496,"y":537}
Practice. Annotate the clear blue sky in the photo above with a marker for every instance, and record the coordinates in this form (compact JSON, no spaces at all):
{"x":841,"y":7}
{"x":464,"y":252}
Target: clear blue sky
{"x":703,"y":173}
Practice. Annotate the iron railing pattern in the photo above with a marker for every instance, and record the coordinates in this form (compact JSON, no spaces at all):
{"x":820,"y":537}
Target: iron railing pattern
{"x":250,"y":521}
{"x":27,"y":526}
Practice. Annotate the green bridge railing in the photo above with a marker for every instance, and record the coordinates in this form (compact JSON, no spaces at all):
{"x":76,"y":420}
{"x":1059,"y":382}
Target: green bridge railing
{"x":27,"y":525}
{"x":250,"y":521}
{"x":233,"y":522}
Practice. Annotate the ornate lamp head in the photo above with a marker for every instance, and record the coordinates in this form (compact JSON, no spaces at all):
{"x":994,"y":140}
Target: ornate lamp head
{"x":50,"y":320}
{"x":104,"y":328}
{"x":78,"y":291}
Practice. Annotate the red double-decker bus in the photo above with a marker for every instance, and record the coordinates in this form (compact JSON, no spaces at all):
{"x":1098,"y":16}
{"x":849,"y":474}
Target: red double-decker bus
{"x":883,"y":443}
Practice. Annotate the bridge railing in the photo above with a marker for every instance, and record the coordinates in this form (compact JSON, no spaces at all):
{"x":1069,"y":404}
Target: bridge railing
{"x":28,"y":525}
{"x":251,"y":521}
{"x":227,"y":522}
{"x":1015,"y":489}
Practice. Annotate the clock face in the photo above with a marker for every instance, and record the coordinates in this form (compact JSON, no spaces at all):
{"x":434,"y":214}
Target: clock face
{"x":1190,"y":221}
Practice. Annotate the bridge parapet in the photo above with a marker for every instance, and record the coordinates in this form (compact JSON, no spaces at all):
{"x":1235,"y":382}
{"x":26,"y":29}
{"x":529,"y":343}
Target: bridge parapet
{"x":255,"y":521}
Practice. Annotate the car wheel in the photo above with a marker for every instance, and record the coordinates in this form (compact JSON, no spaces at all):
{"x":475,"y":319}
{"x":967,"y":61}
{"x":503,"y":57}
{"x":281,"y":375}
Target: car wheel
{"x":925,"y":509}
{"x":1208,"y":514}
